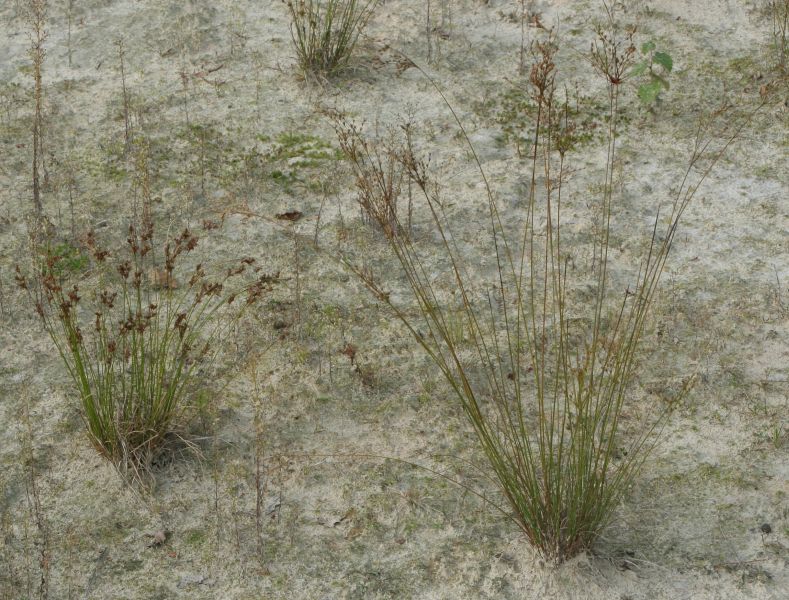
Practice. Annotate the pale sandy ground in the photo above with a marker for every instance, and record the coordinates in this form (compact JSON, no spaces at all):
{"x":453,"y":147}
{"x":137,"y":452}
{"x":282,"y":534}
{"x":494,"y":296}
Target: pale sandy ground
{"x":352,"y":527}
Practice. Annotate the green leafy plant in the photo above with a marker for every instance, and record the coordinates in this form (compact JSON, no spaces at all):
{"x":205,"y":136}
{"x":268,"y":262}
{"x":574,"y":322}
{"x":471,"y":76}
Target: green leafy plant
{"x":325,"y":32}
{"x":544,"y":367}
{"x":649,"y":92}
{"x":69,"y":259}
{"x":134,"y":345}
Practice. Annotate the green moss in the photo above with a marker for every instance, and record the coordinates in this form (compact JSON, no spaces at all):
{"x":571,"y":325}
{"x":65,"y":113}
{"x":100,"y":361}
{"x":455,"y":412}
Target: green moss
{"x":311,"y":149}
{"x":70,"y":259}
{"x":283,"y":178}
{"x":742,"y":64}
{"x":195,"y":537}
{"x":515,"y":113}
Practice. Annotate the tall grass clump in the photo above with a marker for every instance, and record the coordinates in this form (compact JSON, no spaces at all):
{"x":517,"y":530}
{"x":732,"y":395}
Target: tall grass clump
{"x":325,"y":32}
{"x":544,"y":368}
{"x":135,"y":338}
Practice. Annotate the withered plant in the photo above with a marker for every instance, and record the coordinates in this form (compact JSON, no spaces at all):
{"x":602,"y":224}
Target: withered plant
{"x":36,"y":14}
{"x":544,"y":367}
{"x":779,"y":14}
{"x":380,"y":172}
{"x":134,"y":339}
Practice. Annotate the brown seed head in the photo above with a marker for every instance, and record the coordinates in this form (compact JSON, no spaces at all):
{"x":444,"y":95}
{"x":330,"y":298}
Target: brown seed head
{"x":107,"y":298}
{"x":20,"y":279}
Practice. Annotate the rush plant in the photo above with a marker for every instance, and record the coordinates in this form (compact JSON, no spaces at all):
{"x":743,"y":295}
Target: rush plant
{"x":545,"y":366}
{"x":325,"y":32}
{"x":134,"y":338}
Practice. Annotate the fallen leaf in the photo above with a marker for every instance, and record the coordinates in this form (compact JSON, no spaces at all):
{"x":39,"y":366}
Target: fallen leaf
{"x":350,"y":351}
{"x":292,"y":215}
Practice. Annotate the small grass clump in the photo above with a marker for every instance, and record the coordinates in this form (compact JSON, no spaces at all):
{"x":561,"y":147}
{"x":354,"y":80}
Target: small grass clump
{"x":325,"y":32}
{"x":68,"y":259}
{"x":135,"y":338}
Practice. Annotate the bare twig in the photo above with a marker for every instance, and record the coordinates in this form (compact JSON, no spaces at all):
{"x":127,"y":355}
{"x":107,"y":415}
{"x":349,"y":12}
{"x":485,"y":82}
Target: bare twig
{"x":36,"y":17}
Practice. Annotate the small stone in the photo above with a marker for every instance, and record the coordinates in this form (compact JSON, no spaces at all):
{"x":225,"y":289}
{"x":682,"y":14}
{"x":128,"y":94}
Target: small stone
{"x":766,"y":528}
{"x":158,"y":538}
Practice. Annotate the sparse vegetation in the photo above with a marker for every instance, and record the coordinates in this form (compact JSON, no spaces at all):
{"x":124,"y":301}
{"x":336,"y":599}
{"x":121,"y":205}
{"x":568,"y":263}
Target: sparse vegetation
{"x":307,"y":446}
{"x":515,"y":114}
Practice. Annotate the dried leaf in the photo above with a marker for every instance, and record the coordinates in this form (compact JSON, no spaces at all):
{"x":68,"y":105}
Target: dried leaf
{"x":350,"y":351}
{"x":292,"y":215}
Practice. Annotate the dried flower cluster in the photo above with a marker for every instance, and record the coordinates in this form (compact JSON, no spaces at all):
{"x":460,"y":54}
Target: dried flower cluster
{"x":133,"y":351}
{"x":382,"y":166}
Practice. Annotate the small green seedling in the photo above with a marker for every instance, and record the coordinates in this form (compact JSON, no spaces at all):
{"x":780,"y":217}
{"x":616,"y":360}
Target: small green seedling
{"x":70,"y":260}
{"x":649,"y":92}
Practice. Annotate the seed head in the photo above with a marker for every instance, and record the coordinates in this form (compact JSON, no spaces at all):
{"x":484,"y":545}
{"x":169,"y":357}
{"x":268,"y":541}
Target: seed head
{"x":20,"y":279}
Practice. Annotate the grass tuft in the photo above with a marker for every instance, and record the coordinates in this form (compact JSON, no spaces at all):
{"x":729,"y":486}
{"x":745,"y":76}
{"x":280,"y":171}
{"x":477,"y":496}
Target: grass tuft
{"x":134,"y":340}
{"x":325,"y":32}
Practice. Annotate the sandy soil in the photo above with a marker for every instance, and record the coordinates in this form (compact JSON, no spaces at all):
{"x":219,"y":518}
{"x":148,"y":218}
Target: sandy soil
{"x":214,"y":89}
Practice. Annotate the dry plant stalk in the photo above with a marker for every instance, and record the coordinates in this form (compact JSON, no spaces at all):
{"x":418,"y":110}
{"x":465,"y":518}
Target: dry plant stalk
{"x":36,"y":17}
{"x":261,"y":475}
{"x":779,"y":11}
{"x":125,"y":91}
{"x":380,"y":173}
{"x":33,"y":494}
{"x":542,"y":373}
{"x":70,"y":17}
